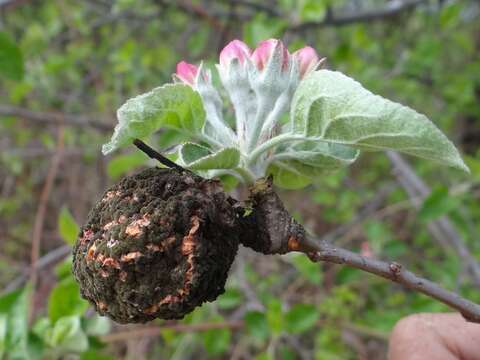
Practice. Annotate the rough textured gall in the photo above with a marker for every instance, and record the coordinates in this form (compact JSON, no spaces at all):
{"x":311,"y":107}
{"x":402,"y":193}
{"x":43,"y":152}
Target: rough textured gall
{"x":156,"y":245}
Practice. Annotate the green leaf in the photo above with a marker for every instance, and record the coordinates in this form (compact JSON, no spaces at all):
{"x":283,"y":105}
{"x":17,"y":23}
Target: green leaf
{"x":263,"y":356}
{"x":229,"y":299}
{"x":13,"y":324}
{"x":229,"y":182}
{"x":11,"y":59}
{"x":296,"y":166}
{"x":378,"y":234}
{"x":10,"y":300}
{"x":35,"y":348}
{"x":171,"y":137}
{"x":275,"y":316}
{"x":474,"y":165}
{"x":217,"y":341}
{"x":438,"y":203}
{"x":67,"y":334}
{"x":94,"y":355}
{"x":65,"y":300}
{"x":301,"y":317}
{"x":317,"y":155}
{"x":309,"y":269}
{"x":121,"y":164}
{"x":67,"y":226}
{"x":332,"y":107}
{"x":190,"y":152}
{"x":257,"y":324}
{"x":347,"y":275}
{"x":64,"y":269}
{"x":312,"y":10}
{"x":96,"y":343}
{"x":262,"y":27}
{"x":173,"y":106}
{"x":288,"y":353}
{"x":40,"y":326}
{"x":3,"y":334}
{"x":197,"y":157}
{"x":226,"y":158}
{"x":287,"y":177}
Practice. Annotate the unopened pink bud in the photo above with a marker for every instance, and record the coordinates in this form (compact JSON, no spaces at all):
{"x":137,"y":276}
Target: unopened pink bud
{"x":264,"y":51}
{"x":187,"y":72}
{"x":235,"y":49}
{"x":307,"y":59}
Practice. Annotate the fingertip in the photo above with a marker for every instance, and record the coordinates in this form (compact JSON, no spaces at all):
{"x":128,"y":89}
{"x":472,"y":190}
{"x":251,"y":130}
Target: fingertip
{"x":416,"y":337}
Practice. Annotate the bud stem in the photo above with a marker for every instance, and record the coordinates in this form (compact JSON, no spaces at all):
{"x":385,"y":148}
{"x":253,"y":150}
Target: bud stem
{"x":277,"y":140}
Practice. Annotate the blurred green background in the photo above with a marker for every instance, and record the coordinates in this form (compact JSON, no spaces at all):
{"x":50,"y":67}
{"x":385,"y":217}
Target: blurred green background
{"x":66,"y":66}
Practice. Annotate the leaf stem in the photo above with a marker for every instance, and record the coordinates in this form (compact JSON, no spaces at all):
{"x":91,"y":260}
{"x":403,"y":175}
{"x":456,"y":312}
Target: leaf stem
{"x":277,"y":140}
{"x":264,"y":107}
{"x":273,"y":117}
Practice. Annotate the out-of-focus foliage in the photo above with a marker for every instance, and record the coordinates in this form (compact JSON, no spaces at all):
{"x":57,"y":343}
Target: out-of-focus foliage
{"x":11,"y":61}
{"x":67,"y":227}
{"x":87,"y":57}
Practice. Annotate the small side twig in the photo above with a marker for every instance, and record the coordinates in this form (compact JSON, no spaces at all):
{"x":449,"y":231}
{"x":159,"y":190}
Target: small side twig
{"x":323,"y":251}
{"x":156,"y":155}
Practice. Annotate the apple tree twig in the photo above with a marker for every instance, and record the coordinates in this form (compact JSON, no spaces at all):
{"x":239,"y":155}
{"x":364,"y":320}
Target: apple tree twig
{"x":269,"y":228}
{"x":323,"y":251}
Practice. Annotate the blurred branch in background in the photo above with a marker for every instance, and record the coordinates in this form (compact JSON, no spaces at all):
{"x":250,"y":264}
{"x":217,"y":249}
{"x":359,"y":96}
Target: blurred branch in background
{"x":200,"y":11}
{"x":43,"y":262}
{"x":442,"y":229}
{"x":392,"y":8}
{"x":153,"y":331}
{"x":40,"y":215}
{"x":332,"y":18}
{"x":55,"y":118}
{"x":367,"y":210}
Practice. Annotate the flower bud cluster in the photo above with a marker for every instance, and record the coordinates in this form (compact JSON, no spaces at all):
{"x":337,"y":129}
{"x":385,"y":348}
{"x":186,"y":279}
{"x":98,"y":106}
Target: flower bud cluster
{"x":259,"y":83}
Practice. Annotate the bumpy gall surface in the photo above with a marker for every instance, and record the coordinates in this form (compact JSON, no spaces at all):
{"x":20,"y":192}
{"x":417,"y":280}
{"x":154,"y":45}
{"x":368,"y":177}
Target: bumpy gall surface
{"x":156,"y":245}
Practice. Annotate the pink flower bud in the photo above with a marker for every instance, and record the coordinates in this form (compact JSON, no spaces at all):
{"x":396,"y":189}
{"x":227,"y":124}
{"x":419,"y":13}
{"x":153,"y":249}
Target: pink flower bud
{"x":264,"y":51}
{"x":235,"y":49}
{"x":307,"y":59}
{"x":187,"y":72}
